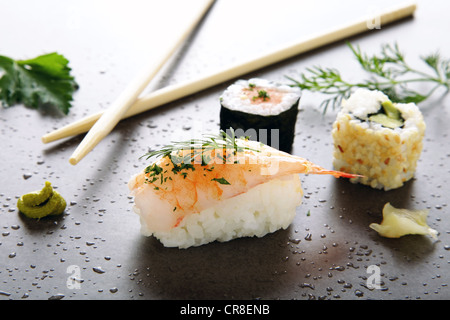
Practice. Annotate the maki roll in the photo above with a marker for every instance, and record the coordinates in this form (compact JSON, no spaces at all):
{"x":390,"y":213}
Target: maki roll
{"x":378,"y":139}
{"x":261,"y":110}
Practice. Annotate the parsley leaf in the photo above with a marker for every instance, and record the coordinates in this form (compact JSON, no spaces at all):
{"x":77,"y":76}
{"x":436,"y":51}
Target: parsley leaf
{"x":44,"y":80}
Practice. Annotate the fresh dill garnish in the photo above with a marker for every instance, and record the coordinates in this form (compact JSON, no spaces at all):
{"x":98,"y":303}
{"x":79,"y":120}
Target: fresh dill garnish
{"x":389,"y":71}
{"x":196,"y":148}
{"x":201,"y":146}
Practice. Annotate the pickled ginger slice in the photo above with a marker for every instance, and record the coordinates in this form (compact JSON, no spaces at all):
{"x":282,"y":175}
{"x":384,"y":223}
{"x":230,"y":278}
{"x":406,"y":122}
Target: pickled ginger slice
{"x":400,"y":222}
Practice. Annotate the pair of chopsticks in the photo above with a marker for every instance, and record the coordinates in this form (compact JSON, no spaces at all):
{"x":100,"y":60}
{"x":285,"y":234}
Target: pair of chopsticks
{"x":103,"y":122}
{"x":109,"y":119}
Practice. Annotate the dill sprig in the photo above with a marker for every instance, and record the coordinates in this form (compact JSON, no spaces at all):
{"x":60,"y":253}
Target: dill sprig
{"x":389,"y":71}
{"x":208,"y":142}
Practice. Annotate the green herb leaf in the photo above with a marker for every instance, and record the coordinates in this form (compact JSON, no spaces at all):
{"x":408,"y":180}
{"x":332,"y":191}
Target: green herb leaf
{"x":44,"y":80}
{"x":154,"y":169}
{"x":262,"y":94}
{"x":221,"y":180}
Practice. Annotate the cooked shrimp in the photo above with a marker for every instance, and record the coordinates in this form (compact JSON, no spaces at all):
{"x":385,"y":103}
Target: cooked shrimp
{"x":169,"y":190}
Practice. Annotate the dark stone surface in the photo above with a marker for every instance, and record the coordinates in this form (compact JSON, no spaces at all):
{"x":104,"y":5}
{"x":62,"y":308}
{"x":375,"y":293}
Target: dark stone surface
{"x":324,"y":254}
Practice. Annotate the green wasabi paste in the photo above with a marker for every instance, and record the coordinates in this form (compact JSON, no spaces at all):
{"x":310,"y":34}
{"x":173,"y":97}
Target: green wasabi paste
{"x":39,"y":204}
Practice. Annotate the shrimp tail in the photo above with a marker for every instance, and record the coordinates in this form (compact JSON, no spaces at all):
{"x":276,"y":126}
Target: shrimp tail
{"x":294,"y":164}
{"x":315,"y":169}
{"x":340,"y":174}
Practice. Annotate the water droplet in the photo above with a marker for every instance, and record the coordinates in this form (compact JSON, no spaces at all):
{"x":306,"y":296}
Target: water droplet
{"x":4,"y":293}
{"x":98,"y":270}
{"x":308,"y":237}
{"x":393,"y":278}
{"x":58,"y":296}
{"x":113,"y":290}
{"x":307,"y":285}
{"x":339,"y":268}
{"x":359,"y":293}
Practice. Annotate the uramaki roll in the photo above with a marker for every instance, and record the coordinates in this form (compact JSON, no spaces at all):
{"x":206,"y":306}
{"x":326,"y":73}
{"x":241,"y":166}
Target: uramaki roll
{"x":378,"y":139}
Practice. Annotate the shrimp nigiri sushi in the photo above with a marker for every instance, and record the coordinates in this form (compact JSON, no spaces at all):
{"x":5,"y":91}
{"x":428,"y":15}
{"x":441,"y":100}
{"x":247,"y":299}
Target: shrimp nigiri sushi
{"x":218,"y":189}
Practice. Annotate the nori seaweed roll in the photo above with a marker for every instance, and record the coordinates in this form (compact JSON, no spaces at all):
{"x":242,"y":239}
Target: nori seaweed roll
{"x":378,"y":139}
{"x":261,"y":110}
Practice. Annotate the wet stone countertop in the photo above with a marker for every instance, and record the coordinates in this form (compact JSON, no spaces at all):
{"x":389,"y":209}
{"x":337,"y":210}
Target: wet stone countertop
{"x":95,"y":251}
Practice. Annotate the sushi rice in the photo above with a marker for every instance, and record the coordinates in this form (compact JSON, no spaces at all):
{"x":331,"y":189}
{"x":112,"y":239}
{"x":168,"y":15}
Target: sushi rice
{"x":234,"y":99}
{"x":386,"y":157}
{"x":264,"y":209}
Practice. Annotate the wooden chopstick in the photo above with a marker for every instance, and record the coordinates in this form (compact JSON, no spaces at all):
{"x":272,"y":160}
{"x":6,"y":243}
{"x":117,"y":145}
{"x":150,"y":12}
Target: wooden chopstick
{"x":120,"y":106}
{"x":175,"y":92}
